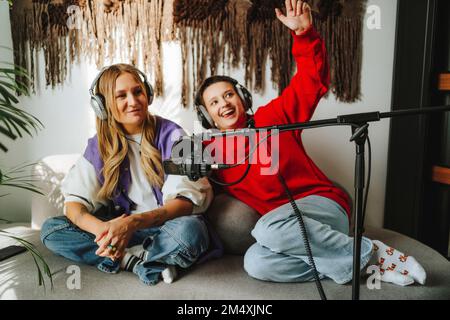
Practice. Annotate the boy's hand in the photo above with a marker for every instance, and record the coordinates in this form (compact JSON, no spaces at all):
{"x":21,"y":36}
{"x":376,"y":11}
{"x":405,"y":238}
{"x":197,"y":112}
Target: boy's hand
{"x":298,"y":16}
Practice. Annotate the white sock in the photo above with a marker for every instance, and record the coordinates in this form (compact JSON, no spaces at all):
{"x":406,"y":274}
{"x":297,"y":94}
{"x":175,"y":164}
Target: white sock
{"x":169,"y":274}
{"x":138,"y":251}
{"x":129,"y":261}
{"x":395,"y":266}
{"x":396,"y":278}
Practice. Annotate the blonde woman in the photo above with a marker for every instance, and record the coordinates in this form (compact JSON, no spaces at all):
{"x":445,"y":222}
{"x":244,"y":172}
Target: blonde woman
{"x":121,"y":212}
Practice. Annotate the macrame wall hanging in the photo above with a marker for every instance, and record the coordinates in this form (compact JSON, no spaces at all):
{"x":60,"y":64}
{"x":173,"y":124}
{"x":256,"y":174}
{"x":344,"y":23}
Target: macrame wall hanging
{"x":212,"y":32}
{"x":235,"y":31}
{"x":107,"y":29}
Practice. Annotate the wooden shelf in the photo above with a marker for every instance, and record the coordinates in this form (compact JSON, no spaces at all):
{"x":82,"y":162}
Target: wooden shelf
{"x":444,"y":82}
{"x":441,"y":175}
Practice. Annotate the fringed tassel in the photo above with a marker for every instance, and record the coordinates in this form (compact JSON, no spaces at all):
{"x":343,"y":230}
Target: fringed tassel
{"x":19,"y":42}
{"x":23,"y":27}
{"x":167,"y":25}
{"x":282,"y":65}
{"x":235,"y":30}
{"x":347,"y":61}
{"x":156,"y":12}
{"x":342,"y":30}
{"x":199,"y":24}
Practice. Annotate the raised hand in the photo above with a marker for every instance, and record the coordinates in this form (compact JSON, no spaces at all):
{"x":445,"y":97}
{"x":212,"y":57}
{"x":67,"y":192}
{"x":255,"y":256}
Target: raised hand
{"x":298,"y":16}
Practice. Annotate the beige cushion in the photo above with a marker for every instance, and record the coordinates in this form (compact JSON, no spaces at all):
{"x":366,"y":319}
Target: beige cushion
{"x":233,"y":221}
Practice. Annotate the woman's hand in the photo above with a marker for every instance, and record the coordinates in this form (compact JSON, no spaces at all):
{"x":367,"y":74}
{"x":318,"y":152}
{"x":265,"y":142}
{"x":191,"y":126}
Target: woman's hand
{"x":298,"y":16}
{"x":116,"y":233}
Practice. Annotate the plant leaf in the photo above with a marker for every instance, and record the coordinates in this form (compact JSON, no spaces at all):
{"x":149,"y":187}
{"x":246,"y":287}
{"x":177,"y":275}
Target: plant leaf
{"x":18,"y":177}
{"x":37,"y":257}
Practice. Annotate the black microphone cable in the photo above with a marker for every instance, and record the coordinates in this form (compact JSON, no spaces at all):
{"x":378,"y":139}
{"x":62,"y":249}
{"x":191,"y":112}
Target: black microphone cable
{"x":227,"y":184}
{"x":224,"y":184}
{"x":369,"y":171}
{"x":303,"y":231}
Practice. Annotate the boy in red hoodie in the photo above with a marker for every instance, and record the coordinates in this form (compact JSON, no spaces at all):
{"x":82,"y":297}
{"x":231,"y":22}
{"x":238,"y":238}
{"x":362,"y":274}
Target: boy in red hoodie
{"x":279,"y":254}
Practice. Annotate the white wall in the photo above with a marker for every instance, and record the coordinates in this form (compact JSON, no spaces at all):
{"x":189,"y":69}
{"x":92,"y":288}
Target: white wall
{"x":69,"y":122}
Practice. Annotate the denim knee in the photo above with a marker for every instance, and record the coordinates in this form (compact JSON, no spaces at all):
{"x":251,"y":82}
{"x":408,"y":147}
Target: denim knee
{"x":262,"y":264}
{"x":52,"y":225}
{"x":270,"y":235}
{"x":64,"y":238}
{"x":190,"y":232}
{"x":254,"y":265}
{"x":191,"y":235}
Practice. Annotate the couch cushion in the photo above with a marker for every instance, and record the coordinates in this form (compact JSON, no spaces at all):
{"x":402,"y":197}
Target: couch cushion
{"x":50,"y":171}
{"x":233,"y":221}
{"x":223,"y":278}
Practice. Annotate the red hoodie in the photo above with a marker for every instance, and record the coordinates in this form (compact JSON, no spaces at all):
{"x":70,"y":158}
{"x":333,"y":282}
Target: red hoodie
{"x":296,"y":104}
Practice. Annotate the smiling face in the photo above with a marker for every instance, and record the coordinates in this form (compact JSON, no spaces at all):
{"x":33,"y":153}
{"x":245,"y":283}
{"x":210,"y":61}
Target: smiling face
{"x":131,"y":103}
{"x":224,"y":106}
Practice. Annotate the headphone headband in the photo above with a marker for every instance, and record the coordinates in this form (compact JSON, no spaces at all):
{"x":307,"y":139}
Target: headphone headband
{"x":94,"y":83}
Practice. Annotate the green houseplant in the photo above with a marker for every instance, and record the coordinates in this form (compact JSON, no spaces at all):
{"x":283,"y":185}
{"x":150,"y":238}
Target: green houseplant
{"x":15,"y":122}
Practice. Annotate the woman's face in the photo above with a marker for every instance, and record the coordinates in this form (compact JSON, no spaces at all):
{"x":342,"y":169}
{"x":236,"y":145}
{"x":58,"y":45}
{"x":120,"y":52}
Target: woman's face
{"x":131,"y":103}
{"x":224,"y":106}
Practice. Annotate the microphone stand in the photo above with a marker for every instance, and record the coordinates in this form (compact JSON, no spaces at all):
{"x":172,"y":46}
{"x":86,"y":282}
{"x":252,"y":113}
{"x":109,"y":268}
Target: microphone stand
{"x":360,"y":125}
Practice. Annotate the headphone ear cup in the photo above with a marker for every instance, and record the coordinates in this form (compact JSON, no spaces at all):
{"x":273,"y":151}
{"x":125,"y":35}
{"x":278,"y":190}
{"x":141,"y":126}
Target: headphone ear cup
{"x":98,"y":105}
{"x":204,"y":117}
{"x":245,"y":96}
{"x":149,"y":90}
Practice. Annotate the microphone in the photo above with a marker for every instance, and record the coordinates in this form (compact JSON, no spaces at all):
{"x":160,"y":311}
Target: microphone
{"x":192,"y":170}
{"x":186,"y":159}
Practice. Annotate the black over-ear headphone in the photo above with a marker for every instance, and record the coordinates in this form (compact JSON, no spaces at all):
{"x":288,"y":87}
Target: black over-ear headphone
{"x":202,"y":113}
{"x":98,"y":103}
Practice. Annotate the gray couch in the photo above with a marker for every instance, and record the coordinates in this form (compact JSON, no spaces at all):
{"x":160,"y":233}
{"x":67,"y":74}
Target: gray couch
{"x":222,"y":278}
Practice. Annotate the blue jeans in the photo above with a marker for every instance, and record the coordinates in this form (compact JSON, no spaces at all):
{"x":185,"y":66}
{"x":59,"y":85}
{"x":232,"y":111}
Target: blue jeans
{"x":177,"y":242}
{"x":279,"y":253}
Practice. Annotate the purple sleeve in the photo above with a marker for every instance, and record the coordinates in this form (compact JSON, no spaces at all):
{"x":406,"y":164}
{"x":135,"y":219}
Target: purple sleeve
{"x":168,"y":133}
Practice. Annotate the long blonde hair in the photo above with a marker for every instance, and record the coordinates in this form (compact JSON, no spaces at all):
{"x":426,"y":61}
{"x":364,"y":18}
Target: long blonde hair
{"x":112,"y":142}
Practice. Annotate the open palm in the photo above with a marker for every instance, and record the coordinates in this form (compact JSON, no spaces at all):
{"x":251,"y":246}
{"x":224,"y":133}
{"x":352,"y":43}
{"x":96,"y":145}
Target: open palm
{"x":298,"y":15}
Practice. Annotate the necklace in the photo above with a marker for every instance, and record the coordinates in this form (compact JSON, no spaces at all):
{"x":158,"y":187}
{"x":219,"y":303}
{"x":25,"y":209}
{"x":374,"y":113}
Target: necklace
{"x":137,"y":142}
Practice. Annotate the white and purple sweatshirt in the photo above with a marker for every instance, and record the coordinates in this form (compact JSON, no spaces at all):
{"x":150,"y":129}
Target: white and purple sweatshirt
{"x":133,"y":193}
